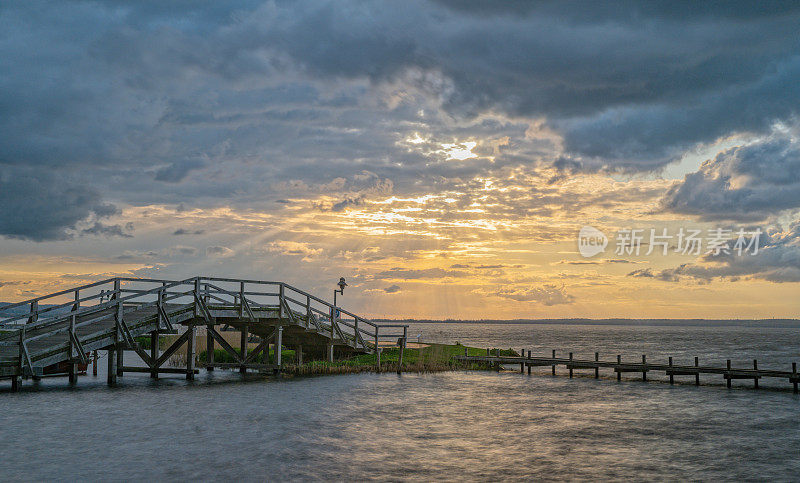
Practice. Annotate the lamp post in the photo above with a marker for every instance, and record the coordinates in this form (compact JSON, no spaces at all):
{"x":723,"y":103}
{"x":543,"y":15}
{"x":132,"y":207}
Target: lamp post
{"x":342,"y":284}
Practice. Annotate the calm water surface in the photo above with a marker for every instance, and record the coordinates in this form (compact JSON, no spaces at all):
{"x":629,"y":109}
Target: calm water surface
{"x":449,"y":426}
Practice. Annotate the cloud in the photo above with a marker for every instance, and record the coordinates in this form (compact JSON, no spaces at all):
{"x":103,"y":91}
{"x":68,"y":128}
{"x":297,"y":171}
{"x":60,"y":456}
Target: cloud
{"x":349,"y":201}
{"x":99,"y":228}
{"x":629,"y":86}
{"x":392,"y":289}
{"x":229,"y":94}
{"x":745,"y":183}
{"x":177,"y":172}
{"x":186,"y":231}
{"x":219,"y":252}
{"x":777,"y":260}
{"x":40,"y":206}
{"x":184,"y":250}
{"x":668,"y":275}
{"x":596,"y":262}
{"x":546,"y":294}
{"x":9,"y":283}
{"x":412,"y":274}
{"x":293,"y":248}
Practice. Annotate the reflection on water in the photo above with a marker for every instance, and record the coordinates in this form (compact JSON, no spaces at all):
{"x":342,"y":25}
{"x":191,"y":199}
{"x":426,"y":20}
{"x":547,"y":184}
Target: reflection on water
{"x":451,"y":426}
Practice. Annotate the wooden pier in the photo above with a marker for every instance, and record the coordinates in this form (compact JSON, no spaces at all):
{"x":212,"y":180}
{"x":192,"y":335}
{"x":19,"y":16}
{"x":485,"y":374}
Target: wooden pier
{"x":112,"y":314}
{"x":619,"y":367}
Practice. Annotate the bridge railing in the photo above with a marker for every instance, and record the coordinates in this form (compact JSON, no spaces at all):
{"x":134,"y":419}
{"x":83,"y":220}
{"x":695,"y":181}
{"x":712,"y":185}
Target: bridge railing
{"x":18,"y":326}
{"x":290,"y":301}
{"x":119,"y":299}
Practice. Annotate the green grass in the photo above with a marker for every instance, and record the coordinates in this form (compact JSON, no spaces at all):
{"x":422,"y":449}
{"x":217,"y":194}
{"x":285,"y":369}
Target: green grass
{"x":433,"y":354}
{"x":220,"y":355}
{"x":434,"y":357}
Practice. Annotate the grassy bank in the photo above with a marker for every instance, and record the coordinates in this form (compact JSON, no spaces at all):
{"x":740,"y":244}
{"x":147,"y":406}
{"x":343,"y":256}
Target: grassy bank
{"x":432,"y":358}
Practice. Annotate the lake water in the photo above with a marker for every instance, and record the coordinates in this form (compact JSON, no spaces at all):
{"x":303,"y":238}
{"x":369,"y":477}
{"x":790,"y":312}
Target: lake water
{"x":446,"y":426}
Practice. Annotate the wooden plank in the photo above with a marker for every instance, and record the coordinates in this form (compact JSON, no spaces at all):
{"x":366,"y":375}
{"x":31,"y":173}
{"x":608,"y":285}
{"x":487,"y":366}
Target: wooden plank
{"x":236,"y":365}
{"x":160,"y":370}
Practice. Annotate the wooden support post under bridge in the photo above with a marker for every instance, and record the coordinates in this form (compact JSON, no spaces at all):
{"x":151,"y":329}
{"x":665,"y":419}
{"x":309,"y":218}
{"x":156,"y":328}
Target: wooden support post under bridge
{"x":112,"y":366}
{"x":243,"y":348}
{"x":190,"y":352}
{"x":209,"y":349}
{"x":402,"y":342}
{"x":278,"y":349}
{"x":154,"y":352}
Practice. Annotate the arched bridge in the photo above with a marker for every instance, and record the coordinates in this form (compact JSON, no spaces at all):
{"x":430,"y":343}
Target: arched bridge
{"x":61,"y":329}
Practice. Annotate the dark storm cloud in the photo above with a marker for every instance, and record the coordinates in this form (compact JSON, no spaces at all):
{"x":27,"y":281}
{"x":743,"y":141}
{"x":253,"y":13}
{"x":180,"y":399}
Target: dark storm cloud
{"x":743,"y":183}
{"x":777,"y":260}
{"x":39,"y":206}
{"x":628,"y":84}
{"x":214,"y":98}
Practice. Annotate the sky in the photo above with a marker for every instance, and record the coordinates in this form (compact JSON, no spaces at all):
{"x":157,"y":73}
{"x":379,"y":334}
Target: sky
{"x":443,"y":156}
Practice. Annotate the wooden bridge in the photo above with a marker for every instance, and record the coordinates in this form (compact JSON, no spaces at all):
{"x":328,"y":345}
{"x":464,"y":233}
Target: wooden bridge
{"x":112,"y":314}
{"x":619,"y":367}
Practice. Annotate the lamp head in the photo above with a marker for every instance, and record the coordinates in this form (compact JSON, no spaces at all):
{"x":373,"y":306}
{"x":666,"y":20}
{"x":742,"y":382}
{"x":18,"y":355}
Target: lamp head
{"x":342,"y":284}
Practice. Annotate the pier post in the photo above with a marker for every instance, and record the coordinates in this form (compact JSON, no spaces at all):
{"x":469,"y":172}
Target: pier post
{"x":243,"y":348}
{"x":644,"y":367}
{"x":278,"y":348}
{"x":794,"y":377}
{"x":671,"y":376}
{"x":529,"y":367}
{"x":522,"y":364}
{"x":330,"y":352}
{"x":299,"y":354}
{"x":209,"y":349}
{"x":190,"y":352}
{"x":728,"y":365}
{"x":697,"y":376}
{"x":72,"y":366}
{"x":112,"y":366}
{"x":154,"y":353}
{"x":570,"y":365}
{"x":488,"y":353}
{"x":619,"y":361}
{"x":120,"y":358}
{"x":554,"y":366}
{"x":597,"y":368}
{"x":94,"y":363}
{"x":378,"y":351}
{"x":402,"y":349}
{"x":755,"y":379}
{"x":16,"y":383}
